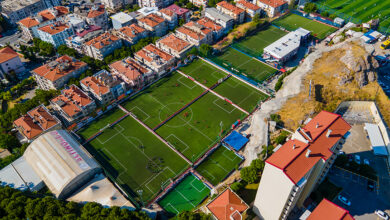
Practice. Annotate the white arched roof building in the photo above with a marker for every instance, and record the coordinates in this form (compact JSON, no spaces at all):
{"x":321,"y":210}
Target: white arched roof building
{"x":61,"y":162}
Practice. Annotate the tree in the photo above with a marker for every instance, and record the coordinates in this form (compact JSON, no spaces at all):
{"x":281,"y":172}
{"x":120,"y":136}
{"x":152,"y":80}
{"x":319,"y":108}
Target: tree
{"x":256,"y":18}
{"x":249,"y":174}
{"x":258,"y":165}
{"x":7,"y":96}
{"x":310,"y":7}
{"x":8,"y":141}
{"x":237,"y":186}
{"x":205,"y":50}
{"x":194,"y":51}
{"x":185,"y":215}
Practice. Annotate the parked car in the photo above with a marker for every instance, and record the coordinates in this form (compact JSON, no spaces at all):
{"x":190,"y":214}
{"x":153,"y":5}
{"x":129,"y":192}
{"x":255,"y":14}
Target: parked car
{"x":366,"y":161}
{"x":370,"y":185}
{"x":382,"y":214}
{"x":344,"y":200}
{"x":357,"y":159}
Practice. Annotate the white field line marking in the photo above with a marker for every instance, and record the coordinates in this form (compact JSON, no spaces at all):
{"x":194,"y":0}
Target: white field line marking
{"x":208,"y":173}
{"x":199,"y":190}
{"x":139,"y":109}
{"x":117,"y":132}
{"x":184,"y":197}
{"x":187,"y":147}
{"x":169,"y":204}
{"x":226,"y":156}
{"x":179,"y":80}
{"x":154,"y":176}
{"x":217,"y":164}
{"x":223,"y":107}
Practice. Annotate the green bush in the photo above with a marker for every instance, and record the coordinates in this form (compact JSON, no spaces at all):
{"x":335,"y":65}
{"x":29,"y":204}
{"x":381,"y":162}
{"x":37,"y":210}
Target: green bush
{"x":237,"y":186}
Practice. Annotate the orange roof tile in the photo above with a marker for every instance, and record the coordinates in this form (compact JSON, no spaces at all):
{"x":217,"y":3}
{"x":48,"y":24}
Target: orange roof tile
{"x":230,"y":7}
{"x":248,"y":5}
{"x":29,"y":22}
{"x":102,"y":40}
{"x":273,"y":3}
{"x":72,"y":98}
{"x":147,"y":51}
{"x":7,"y":53}
{"x":95,"y":85}
{"x":152,"y":20}
{"x":227,"y":205}
{"x":132,"y":31}
{"x":28,"y":127}
{"x":293,"y":161}
{"x":166,"y":11}
{"x":94,"y":13}
{"x":174,"y":42}
{"x":209,"y":24}
{"x":43,"y":117}
{"x":46,"y":16}
{"x":196,"y":26}
{"x":194,"y":35}
{"x":54,"y":28}
{"x":129,"y":68}
{"x":327,"y":210}
{"x":64,"y":65}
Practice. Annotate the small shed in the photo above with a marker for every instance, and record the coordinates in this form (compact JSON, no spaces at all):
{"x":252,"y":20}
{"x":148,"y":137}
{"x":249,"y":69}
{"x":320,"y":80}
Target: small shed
{"x":235,"y":140}
{"x":376,"y":139}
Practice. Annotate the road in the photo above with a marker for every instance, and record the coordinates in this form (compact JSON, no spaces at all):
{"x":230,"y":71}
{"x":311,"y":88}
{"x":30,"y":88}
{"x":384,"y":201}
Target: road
{"x":11,"y":37}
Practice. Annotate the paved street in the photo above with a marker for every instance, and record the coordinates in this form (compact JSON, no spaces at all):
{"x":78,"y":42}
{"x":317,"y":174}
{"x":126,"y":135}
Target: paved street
{"x":11,"y":37}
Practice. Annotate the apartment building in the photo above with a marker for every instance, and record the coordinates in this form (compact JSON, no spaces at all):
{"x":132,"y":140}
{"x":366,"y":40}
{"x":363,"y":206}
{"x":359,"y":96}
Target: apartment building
{"x":199,"y":3}
{"x":131,"y":34}
{"x":132,"y":73}
{"x":217,"y":30}
{"x":121,"y":19}
{"x":156,"y":59}
{"x":78,"y":40}
{"x":30,"y":24}
{"x":55,"y":33}
{"x":114,"y":5}
{"x":102,"y":45}
{"x":35,"y":122}
{"x":155,"y":3}
{"x":73,"y":104}
{"x":195,"y":33}
{"x":103,"y":86}
{"x":93,"y":14}
{"x":170,"y":17}
{"x":222,"y":19}
{"x":174,"y":45}
{"x":182,"y":13}
{"x":250,"y":9}
{"x":10,"y":61}
{"x":297,"y":167}
{"x":272,"y":7}
{"x":55,"y":74}
{"x":236,"y":13}
{"x":155,"y":24}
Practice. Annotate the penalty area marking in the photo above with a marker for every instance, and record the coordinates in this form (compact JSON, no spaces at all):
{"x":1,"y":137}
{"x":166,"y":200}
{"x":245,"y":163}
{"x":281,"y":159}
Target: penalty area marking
{"x":196,"y":187}
{"x":223,"y":108}
{"x":182,"y":151}
{"x":113,"y":136}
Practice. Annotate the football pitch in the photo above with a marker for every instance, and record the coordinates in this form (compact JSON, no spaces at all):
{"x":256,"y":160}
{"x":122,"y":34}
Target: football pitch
{"x":292,"y":22}
{"x":218,"y":165}
{"x":185,"y":196}
{"x":254,"y":44}
{"x":364,"y":10}
{"x":135,"y":158}
{"x":203,"y":72}
{"x":241,"y":63}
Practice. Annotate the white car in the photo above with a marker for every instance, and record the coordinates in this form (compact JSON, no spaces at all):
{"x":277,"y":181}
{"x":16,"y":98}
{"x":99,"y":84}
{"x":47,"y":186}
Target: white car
{"x":357,"y":159}
{"x":344,"y":200}
{"x":366,"y":161}
{"x":382,"y":214}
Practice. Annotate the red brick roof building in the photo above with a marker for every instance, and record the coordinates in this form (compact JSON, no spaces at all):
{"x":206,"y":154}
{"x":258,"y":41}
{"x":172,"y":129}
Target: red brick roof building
{"x":173,"y":45}
{"x":227,"y":206}
{"x":156,"y":59}
{"x":10,"y":61}
{"x":327,"y":210}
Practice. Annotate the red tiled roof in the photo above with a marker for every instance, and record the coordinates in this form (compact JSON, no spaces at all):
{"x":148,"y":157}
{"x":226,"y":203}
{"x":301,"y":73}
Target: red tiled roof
{"x":152,"y":20}
{"x":73,"y":98}
{"x":209,"y":24}
{"x":166,"y":11}
{"x":190,"y":33}
{"x":7,"y":53}
{"x":226,"y":205}
{"x":129,"y":68}
{"x":95,"y":85}
{"x":29,"y":22}
{"x":178,"y":10}
{"x":174,"y":42}
{"x":230,"y":7}
{"x":132,"y":31}
{"x":327,"y":210}
{"x":273,"y":3}
{"x":54,"y":28}
{"x":248,"y":5}
{"x":202,"y":28}
{"x":28,"y":127}
{"x":293,"y":161}
{"x":65,"y":65}
{"x":94,"y":13}
{"x":44,"y":118}
{"x":46,"y":16}
{"x":150,"y":49}
{"x":91,"y":28}
{"x":102,"y":40}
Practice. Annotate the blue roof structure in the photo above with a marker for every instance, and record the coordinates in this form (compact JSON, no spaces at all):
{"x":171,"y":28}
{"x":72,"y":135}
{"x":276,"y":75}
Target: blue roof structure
{"x":236,"y":140}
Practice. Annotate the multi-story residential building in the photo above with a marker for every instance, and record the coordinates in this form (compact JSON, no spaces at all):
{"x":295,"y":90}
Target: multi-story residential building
{"x":103,"y":86}
{"x":195,"y":33}
{"x":117,"y":4}
{"x":75,"y":22}
{"x":199,"y":3}
{"x":101,"y":46}
{"x":145,"y":11}
{"x":35,"y":122}
{"x":182,"y":13}
{"x":327,"y":210}
{"x":170,"y":17}
{"x":218,"y":30}
{"x":121,"y":19}
{"x":78,"y":40}
{"x":174,"y":45}
{"x":297,"y":167}
{"x":272,"y":7}
{"x":15,"y":11}
{"x":222,"y":19}
{"x":156,"y":59}
{"x":73,"y":104}
{"x":56,"y":74}
{"x":55,"y":33}
{"x":236,"y":13}
{"x":131,"y":34}
{"x":10,"y":61}
{"x":155,"y":3}
{"x":30,"y":24}
{"x":155,"y":24}
{"x":133,"y":73}
{"x":93,"y":14}
{"x":250,"y":9}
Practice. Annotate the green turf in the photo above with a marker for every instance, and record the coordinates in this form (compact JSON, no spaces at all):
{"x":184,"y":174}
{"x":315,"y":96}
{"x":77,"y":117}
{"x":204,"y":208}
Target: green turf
{"x":197,"y":128}
{"x":203,"y":72}
{"x":218,"y":165}
{"x":136,"y":158}
{"x":254,"y":44}
{"x":185,"y":196}
{"x":163,"y":98}
{"x":238,"y":63}
{"x":362,"y":10}
{"x":240,"y":93}
{"x":293,"y":21}
{"x":102,"y":121}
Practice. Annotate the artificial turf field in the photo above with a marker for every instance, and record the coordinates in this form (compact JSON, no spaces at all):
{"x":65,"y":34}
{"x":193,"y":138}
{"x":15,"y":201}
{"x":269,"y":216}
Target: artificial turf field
{"x":241,"y":63}
{"x":292,"y":22}
{"x":218,"y":165}
{"x":254,"y":44}
{"x":162,"y":99}
{"x":364,"y":10}
{"x":136,"y":158}
{"x":197,"y":128}
{"x":238,"y":92}
{"x":185,"y":196}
